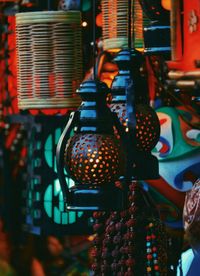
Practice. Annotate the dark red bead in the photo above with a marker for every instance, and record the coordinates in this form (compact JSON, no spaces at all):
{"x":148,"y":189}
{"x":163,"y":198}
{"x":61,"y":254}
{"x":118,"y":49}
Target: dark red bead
{"x":132,"y":187}
{"x":130,"y":262}
{"x":156,"y":267}
{"x":132,"y":209}
{"x":123,"y":214}
{"x":153,"y":237}
{"x":97,"y":214}
{"x":130,"y":222}
{"x":154,"y":249}
{"x":148,"y":238}
{"x":149,"y":257}
{"x":132,"y":198}
{"x":94,"y":253}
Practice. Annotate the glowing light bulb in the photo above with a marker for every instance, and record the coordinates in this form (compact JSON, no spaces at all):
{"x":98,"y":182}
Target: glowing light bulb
{"x":84,"y":24}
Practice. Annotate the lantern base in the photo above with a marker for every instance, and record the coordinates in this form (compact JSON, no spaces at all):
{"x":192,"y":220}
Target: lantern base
{"x":146,"y":166}
{"x":96,"y":199}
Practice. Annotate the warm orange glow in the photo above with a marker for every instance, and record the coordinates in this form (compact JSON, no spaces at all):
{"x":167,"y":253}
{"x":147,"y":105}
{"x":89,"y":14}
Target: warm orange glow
{"x":166,"y":4}
{"x":115,"y":50}
{"x":99,"y":20}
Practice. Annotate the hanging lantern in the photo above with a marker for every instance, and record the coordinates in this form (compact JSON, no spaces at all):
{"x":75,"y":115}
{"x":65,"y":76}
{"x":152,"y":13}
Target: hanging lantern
{"x":49,"y":59}
{"x":147,"y":127}
{"x":115,"y":18}
{"x":93,"y":157}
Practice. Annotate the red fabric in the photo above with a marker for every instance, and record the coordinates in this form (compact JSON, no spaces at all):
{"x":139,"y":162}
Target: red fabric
{"x":167,"y":191}
{"x":191,"y":37}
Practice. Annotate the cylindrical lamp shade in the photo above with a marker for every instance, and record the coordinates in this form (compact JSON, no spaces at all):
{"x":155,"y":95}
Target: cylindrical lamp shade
{"x":115,"y":16}
{"x":49,"y":57}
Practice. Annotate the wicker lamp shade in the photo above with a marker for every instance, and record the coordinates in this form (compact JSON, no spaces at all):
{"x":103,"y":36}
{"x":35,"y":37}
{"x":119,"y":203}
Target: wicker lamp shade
{"x":115,"y":24}
{"x":49,"y":59}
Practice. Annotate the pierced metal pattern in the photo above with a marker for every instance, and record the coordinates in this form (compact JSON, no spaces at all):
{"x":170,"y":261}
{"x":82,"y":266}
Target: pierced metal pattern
{"x":147,"y":125}
{"x":94,"y":158}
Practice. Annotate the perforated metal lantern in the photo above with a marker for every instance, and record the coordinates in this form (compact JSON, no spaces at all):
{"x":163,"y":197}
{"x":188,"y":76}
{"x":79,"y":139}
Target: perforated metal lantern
{"x":126,"y":99}
{"x":49,"y":59}
{"x":93,"y":157}
{"x":147,"y":125}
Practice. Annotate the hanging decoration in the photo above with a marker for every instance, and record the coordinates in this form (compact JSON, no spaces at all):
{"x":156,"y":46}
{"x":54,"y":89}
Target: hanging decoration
{"x":93,"y":157}
{"x":49,"y":61}
{"x":115,"y":20}
{"x":147,"y":128}
{"x":122,"y":248}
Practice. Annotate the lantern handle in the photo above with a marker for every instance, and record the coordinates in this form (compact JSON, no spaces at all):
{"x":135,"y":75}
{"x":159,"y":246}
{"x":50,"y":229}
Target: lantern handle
{"x":60,"y":150}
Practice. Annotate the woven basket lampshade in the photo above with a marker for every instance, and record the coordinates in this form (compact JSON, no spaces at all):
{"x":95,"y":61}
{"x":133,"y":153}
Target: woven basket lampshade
{"x":115,"y":24}
{"x":49,"y":57}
